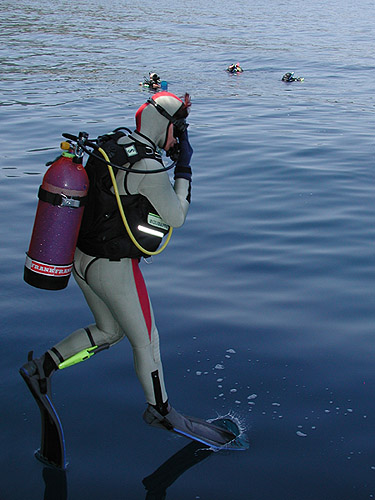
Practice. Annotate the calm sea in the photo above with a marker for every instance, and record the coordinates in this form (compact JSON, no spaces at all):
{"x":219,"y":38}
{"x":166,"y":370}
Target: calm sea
{"x":264,"y":300}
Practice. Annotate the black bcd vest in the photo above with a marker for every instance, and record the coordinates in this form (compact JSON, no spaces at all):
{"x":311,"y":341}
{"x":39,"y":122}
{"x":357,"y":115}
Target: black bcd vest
{"x":102,"y":232}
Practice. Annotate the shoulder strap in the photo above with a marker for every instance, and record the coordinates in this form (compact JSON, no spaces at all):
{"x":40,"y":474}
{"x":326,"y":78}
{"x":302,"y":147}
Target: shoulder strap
{"x":114,"y":136}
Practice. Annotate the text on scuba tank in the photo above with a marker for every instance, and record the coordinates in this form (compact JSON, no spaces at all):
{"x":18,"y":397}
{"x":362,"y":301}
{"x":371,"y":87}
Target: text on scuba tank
{"x":48,"y":269}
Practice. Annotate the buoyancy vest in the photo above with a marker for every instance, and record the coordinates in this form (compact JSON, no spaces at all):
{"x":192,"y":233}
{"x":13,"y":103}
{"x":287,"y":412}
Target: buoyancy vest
{"x":102,"y":232}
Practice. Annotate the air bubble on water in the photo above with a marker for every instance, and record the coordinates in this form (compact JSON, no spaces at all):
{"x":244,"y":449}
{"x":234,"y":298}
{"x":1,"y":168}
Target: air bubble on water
{"x":301,"y":434}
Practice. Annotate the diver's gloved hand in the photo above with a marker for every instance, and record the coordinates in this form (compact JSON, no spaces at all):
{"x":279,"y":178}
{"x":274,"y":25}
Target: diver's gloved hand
{"x":183,"y":169}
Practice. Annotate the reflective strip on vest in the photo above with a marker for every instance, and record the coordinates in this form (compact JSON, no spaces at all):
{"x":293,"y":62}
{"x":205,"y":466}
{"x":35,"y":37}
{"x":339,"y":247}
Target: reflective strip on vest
{"x":153,"y":232}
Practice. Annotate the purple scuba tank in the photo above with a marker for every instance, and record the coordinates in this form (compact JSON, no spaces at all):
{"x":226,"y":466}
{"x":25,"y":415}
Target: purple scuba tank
{"x":49,"y":260}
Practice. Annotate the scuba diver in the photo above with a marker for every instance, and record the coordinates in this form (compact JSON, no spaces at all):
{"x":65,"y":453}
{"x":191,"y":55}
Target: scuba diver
{"x":153,"y":81}
{"x":106,"y":268}
{"x":234,"y":68}
{"x":289,"y":77}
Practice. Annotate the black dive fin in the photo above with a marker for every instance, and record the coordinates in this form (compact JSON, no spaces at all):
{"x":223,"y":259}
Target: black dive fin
{"x":52,"y":448}
{"x":218,"y":434}
{"x":240,"y":442}
{"x":212,"y":435}
{"x":222,"y":434}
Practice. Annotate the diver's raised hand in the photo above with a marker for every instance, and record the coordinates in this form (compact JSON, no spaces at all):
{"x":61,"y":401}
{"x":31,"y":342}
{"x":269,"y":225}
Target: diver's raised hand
{"x":186,"y":151}
{"x":183,"y":169}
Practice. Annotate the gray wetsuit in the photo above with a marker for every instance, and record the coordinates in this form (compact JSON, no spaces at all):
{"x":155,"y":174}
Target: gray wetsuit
{"x":116,"y":292}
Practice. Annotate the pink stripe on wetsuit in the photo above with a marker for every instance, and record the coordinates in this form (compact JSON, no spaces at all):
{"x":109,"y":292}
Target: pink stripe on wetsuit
{"x":143,"y":295}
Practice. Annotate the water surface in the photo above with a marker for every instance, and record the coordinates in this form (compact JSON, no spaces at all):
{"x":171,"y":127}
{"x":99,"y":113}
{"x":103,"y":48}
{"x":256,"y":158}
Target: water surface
{"x":264,"y":299}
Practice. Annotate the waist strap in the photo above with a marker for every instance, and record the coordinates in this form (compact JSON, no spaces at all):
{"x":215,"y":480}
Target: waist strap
{"x":61,"y":200}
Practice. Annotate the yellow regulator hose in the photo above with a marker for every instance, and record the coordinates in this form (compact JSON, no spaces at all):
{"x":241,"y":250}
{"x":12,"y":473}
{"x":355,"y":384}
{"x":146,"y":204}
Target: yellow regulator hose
{"x":121,"y":208}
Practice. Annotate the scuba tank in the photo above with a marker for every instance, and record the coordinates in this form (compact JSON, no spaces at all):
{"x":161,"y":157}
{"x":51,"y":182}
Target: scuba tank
{"x":62,"y":195}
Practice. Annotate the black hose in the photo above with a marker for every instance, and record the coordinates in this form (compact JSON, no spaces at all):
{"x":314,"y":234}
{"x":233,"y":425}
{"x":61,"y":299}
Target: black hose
{"x":83,"y":143}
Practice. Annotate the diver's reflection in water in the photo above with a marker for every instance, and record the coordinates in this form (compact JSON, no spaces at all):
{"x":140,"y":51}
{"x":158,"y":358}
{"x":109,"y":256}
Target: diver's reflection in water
{"x":157,"y":483}
{"x":56,"y":485}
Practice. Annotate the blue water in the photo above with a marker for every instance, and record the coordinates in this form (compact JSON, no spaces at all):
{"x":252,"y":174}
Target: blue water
{"x":265,"y":298}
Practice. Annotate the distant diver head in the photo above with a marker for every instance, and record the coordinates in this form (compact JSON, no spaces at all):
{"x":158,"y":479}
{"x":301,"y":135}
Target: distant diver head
{"x":154,"y":78}
{"x":154,"y":117}
{"x":288,"y":77}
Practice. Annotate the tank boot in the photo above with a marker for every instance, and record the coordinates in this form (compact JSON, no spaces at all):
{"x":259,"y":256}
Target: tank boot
{"x":194,"y":428}
{"x":37,"y":375}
